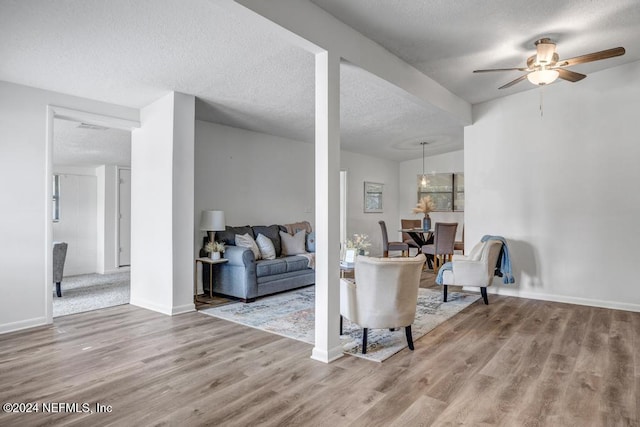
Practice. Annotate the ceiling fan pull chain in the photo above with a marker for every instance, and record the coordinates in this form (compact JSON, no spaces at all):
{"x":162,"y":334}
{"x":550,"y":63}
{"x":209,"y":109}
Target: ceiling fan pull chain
{"x":541,"y":101}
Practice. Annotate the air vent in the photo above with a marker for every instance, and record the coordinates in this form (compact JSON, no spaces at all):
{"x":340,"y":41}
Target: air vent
{"x":92,"y":127}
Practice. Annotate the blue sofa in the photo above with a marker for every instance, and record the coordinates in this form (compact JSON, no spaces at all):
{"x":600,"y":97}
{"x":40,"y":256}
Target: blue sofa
{"x":246,"y":278}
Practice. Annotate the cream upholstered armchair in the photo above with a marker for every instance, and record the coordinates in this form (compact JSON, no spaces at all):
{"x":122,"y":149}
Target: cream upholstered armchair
{"x":384,"y":295}
{"x":475,"y":270}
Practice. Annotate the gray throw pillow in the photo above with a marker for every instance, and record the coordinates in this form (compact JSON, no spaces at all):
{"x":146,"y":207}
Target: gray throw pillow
{"x":267,"y":250}
{"x":272,"y":232}
{"x":228,"y":236}
{"x":293,"y":245}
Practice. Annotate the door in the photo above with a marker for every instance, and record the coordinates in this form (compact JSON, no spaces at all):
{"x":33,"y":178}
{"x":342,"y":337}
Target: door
{"x":124,"y":217}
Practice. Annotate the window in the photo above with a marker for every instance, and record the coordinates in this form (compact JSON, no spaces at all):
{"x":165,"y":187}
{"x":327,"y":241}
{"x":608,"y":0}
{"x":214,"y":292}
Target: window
{"x":56,"y":198}
{"x":446,"y":190}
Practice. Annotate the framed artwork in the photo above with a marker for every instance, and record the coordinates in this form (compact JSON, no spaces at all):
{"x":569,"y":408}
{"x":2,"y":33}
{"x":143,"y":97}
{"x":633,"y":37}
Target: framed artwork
{"x":350,"y":256}
{"x":373,"y":197}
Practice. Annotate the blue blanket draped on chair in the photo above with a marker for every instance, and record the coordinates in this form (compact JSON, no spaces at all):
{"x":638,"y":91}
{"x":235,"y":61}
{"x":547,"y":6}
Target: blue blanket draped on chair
{"x":504,"y":262}
{"x":503,"y":267}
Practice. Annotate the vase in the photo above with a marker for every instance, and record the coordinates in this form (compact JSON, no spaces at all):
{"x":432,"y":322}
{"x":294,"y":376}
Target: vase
{"x":361,"y":252}
{"x":426,"y":223}
{"x":215,"y":255}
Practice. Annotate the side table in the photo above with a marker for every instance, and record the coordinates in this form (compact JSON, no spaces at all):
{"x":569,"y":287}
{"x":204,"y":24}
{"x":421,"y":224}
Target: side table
{"x":211,"y":263}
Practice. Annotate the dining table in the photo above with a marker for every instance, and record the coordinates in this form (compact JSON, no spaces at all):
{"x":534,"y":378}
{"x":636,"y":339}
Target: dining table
{"x":422,"y":236}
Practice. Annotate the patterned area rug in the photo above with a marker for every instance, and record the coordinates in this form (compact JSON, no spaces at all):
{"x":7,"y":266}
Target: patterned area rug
{"x":291,"y":314}
{"x":88,"y":292}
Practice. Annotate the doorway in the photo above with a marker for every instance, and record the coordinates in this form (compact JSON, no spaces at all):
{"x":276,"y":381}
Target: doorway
{"x":90,"y":159}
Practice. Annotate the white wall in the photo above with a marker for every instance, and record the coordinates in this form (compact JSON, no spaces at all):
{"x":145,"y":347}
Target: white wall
{"x":361,"y":168}
{"x":255,"y":178}
{"x":409,"y":170}
{"x":25,"y":261}
{"x":78,"y":219}
{"x":259,"y":179}
{"x":562,"y":188}
{"x":162,"y":206}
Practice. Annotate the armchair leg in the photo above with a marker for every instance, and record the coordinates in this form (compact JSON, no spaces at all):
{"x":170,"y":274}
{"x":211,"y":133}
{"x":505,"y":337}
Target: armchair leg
{"x":364,"y":340}
{"x":445,"y":288}
{"x":58,"y":290}
{"x":407,"y":331}
{"x":483,"y":291}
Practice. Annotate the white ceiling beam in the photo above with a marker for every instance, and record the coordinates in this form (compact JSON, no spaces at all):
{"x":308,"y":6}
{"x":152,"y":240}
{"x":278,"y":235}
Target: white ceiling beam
{"x":313,"y":29}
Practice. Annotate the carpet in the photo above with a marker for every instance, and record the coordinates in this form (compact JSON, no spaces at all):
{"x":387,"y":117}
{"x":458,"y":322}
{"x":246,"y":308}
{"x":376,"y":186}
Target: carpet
{"x":88,"y":292}
{"x":291,"y":315}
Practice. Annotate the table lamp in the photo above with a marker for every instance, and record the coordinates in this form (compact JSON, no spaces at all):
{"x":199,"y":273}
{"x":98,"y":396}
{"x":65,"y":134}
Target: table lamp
{"x":212,"y":221}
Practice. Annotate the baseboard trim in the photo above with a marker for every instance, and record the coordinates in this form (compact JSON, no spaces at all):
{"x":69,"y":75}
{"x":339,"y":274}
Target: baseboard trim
{"x":169,"y":311}
{"x":186,"y":308}
{"x":23,"y":324}
{"x":327,"y":356}
{"x":615,"y":305}
{"x":151,"y":306}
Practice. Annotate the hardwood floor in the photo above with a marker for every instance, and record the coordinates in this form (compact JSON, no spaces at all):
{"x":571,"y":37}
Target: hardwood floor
{"x":515,"y":362}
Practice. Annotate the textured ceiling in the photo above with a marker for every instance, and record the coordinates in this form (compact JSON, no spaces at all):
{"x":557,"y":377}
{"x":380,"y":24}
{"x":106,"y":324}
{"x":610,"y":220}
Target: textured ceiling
{"x":76,"y":146}
{"x":133,"y":52}
{"x":447,"y":40}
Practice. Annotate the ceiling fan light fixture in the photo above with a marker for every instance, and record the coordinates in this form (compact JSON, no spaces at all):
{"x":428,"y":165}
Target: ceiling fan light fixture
{"x":543,"y":77}
{"x":545,"y":50}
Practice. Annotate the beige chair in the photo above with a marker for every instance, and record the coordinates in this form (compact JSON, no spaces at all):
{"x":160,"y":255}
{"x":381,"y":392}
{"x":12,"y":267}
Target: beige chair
{"x":410,"y":223}
{"x":388,"y":246}
{"x":474,"y":270}
{"x":443,"y":240}
{"x":384,"y":295}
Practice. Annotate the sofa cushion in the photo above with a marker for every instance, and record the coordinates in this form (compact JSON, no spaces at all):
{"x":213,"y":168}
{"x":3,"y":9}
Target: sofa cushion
{"x":267,"y":250}
{"x":272,"y":232}
{"x":296,"y":263}
{"x":293,"y":245}
{"x":269,"y":267}
{"x":246,"y":241}
{"x":228,"y":236}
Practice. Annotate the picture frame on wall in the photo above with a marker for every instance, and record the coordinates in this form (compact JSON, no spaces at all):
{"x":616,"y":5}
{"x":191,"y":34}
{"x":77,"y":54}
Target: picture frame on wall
{"x":373,"y":197}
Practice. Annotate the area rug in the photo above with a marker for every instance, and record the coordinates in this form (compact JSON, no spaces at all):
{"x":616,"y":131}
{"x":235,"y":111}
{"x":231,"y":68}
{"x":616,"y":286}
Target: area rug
{"x":291,"y":314}
{"x":88,"y":292}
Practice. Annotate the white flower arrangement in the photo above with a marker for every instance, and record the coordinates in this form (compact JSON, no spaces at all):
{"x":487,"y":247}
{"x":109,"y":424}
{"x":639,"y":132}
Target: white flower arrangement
{"x":359,"y":242}
{"x":214,"y":247}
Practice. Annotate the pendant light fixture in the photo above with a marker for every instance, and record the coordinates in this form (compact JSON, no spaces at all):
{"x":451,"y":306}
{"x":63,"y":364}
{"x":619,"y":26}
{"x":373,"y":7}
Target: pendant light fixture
{"x":423,"y":181}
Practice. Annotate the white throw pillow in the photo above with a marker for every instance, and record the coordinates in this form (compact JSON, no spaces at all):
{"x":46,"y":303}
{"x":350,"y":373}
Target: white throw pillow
{"x":267,"y":250}
{"x":293,"y":245}
{"x":246,"y":241}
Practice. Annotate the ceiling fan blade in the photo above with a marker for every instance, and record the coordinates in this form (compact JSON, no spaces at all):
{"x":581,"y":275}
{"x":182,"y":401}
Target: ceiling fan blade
{"x":512,"y":82}
{"x":500,"y":69}
{"x":569,"y":75}
{"x":590,"y":57}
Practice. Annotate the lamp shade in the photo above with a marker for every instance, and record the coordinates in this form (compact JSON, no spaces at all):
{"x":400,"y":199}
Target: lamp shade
{"x":212,"y":221}
{"x":542,"y":77}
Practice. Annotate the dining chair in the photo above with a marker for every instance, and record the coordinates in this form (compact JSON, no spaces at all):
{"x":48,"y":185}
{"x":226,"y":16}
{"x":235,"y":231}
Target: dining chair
{"x":443,"y":240}
{"x":458,"y":245}
{"x":59,"y":256}
{"x":391,"y":246}
{"x":410,"y":223}
{"x":383,"y":296}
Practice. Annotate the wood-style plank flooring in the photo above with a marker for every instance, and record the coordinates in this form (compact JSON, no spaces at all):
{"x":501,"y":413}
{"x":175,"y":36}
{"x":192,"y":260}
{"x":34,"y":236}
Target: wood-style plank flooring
{"x":515,"y":362}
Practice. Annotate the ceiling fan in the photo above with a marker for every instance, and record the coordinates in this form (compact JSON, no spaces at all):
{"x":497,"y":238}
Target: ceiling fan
{"x":545,"y":66}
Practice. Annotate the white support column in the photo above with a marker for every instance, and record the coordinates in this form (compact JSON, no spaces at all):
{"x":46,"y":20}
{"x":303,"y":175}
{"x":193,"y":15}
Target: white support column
{"x":327,"y":163}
